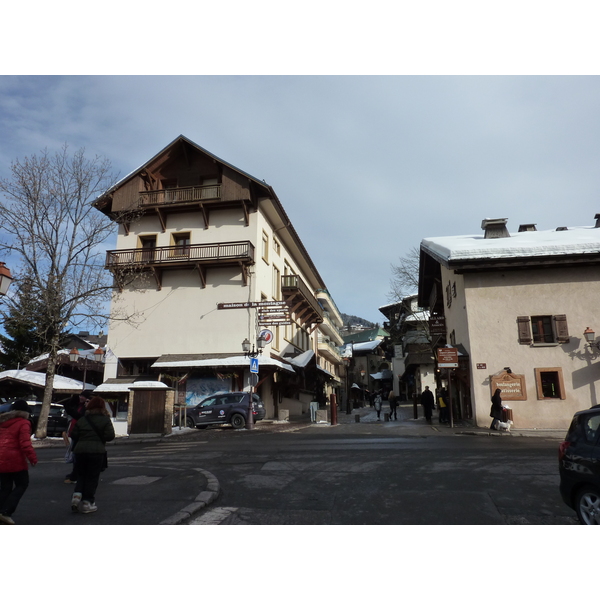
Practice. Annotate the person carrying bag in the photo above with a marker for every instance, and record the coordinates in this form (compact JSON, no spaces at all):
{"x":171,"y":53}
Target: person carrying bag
{"x":91,"y":433}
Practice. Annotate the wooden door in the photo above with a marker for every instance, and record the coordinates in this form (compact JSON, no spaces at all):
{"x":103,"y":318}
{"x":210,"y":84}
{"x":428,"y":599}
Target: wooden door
{"x":148,"y":411}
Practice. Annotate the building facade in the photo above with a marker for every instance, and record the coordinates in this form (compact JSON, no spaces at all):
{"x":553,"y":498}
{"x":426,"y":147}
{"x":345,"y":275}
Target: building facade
{"x":515,"y":306}
{"x":206,"y":258}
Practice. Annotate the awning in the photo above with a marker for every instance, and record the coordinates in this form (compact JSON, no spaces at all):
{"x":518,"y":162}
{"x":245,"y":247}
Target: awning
{"x":189,"y":361}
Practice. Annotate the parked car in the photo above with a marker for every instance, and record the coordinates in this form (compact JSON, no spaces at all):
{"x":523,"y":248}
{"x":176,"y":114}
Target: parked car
{"x":57,"y":419}
{"x":579,"y":466}
{"x":230,"y":408}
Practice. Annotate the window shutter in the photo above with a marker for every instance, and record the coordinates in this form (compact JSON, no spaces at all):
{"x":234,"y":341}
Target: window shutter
{"x":524,"y":330}
{"x":562,"y":331}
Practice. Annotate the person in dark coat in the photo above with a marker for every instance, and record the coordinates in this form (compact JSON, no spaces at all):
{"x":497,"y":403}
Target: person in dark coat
{"x":75,"y":408}
{"x":428,"y":403}
{"x":496,"y":411}
{"x":91,"y":433}
{"x":393,"y":405}
{"x":15,"y":451}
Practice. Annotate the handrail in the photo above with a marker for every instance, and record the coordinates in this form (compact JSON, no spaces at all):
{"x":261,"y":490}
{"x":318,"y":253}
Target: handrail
{"x":174,"y":254}
{"x":180,"y":194}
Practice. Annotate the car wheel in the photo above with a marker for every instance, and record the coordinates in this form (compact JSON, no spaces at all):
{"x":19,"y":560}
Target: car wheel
{"x":587,"y":506}
{"x":190,"y":423}
{"x":238,"y":421}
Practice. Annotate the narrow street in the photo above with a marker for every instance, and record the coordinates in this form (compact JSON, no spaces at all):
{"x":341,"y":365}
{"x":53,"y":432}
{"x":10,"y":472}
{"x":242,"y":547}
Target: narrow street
{"x":403,"y":472}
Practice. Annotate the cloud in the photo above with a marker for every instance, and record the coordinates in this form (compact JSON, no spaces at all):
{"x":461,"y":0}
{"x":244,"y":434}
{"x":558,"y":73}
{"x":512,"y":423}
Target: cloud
{"x":365,"y":166}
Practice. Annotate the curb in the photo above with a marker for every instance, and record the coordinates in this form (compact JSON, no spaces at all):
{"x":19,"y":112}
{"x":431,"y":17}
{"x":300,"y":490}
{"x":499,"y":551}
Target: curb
{"x":202,"y":501}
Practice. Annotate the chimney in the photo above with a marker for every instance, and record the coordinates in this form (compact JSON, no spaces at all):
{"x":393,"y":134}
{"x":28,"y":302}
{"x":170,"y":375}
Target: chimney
{"x":495,"y":228}
{"x":527,"y":227}
{"x":597,"y":217}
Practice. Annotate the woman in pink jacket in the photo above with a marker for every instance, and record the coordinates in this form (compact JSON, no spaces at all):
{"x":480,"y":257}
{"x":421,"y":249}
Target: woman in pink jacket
{"x":15,"y":451}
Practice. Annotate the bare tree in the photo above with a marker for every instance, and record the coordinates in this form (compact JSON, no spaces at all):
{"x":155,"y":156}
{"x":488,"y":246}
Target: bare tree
{"x":50,"y":224}
{"x":405,"y":276}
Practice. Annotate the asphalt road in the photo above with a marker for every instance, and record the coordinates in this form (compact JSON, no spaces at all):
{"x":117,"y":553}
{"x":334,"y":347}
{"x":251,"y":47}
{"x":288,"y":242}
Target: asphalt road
{"x":313,"y":476}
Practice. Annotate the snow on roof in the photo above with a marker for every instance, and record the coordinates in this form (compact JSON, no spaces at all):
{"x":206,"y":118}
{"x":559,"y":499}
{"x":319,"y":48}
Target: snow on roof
{"x":302,"y":359}
{"x":89,"y":352}
{"x":362,"y":346}
{"x":125,"y":387}
{"x":574,"y":240}
{"x":229,"y":361}
{"x":39,"y":380}
{"x":421,"y":315}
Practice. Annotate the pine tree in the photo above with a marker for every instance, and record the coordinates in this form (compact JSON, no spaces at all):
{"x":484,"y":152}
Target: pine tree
{"x":21,"y":324}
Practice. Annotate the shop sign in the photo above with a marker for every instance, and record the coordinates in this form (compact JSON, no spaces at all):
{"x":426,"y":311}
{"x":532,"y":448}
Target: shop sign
{"x":511,"y":386}
{"x":437,"y":325}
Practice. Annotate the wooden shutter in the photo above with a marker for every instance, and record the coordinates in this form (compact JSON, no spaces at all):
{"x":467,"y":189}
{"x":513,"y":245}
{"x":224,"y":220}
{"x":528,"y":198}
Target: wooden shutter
{"x":524,"y":330}
{"x":562,"y":331}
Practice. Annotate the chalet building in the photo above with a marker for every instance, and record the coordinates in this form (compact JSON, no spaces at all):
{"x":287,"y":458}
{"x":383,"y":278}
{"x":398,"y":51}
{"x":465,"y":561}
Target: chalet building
{"x":207,"y":258}
{"x":515,"y":306}
{"x":413,"y":362}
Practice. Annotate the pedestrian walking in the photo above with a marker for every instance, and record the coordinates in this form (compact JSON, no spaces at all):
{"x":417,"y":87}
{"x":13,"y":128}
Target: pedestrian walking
{"x":377,"y":403}
{"x":428,"y":402}
{"x":497,"y":413}
{"x":443,"y":406}
{"x":75,"y":408}
{"x":393,"y":405}
{"x":91,"y":433}
{"x":15,"y":451}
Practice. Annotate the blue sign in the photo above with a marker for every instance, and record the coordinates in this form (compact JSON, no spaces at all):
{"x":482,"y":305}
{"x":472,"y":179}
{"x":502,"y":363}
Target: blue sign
{"x":254,"y":365}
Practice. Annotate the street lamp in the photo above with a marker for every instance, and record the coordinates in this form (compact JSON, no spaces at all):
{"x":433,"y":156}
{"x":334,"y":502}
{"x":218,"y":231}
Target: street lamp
{"x":5,"y":278}
{"x":590,"y":335}
{"x":252,"y":353}
{"x":97,"y":356}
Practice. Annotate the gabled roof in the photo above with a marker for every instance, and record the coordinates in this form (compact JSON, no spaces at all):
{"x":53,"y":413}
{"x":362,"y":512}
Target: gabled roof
{"x":180,"y":139}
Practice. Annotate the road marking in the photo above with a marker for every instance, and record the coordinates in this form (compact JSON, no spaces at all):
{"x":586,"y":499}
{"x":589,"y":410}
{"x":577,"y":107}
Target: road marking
{"x":215,"y":516}
{"x":139,"y":480}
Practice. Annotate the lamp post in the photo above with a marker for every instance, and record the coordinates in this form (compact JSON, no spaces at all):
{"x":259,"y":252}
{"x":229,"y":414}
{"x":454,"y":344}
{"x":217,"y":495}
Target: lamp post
{"x":74,"y":355}
{"x":252,"y":353}
{"x":5,"y":278}
{"x":590,"y":335}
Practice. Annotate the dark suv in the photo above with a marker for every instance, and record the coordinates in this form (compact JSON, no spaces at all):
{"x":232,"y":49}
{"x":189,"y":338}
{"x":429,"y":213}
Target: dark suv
{"x":231,"y":408}
{"x":579,"y":466}
{"x":57,"y":420}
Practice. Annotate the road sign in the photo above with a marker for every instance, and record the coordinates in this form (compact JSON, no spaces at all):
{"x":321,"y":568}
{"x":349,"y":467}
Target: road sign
{"x":254,"y":365}
{"x":266,"y":335}
{"x":447,"y":358}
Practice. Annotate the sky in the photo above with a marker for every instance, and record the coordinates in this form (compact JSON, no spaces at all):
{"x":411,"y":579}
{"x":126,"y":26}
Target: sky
{"x":365,"y":166}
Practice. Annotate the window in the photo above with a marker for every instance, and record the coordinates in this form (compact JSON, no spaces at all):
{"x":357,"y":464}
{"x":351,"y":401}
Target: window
{"x":147,"y":243}
{"x":276,"y":283}
{"x":276,"y":246}
{"x":265,"y":246}
{"x":181,"y":241}
{"x":543,"y":329}
{"x":550,"y":384}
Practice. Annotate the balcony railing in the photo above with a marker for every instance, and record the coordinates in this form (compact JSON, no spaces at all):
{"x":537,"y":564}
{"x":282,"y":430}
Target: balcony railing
{"x":293,"y":287}
{"x":164,"y":255}
{"x":179,"y":195}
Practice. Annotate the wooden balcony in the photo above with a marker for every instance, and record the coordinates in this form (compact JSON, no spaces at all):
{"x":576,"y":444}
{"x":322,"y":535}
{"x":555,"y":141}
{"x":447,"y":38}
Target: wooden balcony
{"x":198,"y":256}
{"x":303,"y":305}
{"x":179,"y":195}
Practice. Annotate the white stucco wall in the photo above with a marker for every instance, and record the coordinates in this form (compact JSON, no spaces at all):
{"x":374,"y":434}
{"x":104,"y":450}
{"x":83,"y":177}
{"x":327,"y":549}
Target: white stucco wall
{"x":485,"y":320}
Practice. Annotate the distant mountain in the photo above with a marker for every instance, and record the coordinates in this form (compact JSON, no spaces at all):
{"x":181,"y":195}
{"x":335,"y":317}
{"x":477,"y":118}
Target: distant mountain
{"x":352,"y":320}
